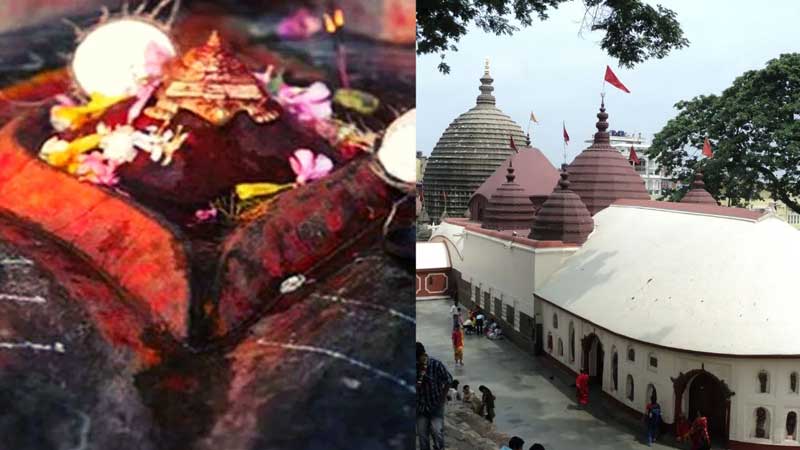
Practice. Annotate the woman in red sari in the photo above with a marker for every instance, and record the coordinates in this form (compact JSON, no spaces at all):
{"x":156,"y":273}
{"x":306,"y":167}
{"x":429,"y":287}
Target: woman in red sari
{"x":699,"y":433}
{"x":582,"y":387}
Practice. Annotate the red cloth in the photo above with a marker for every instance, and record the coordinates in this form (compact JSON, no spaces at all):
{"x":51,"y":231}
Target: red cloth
{"x":614,"y":81}
{"x":699,"y":432}
{"x":566,"y":136}
{"x":458,"y":339}
{"x":513,"y":145}
{"x":707,"y":149}
{"x":633,"y":156}
{"x":683,"y":428}
{"x":582,"y":386}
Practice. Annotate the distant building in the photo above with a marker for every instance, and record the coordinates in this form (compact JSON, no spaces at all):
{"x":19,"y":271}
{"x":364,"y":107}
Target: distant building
{"x":654,"y":177}
{"x":422,"y":161}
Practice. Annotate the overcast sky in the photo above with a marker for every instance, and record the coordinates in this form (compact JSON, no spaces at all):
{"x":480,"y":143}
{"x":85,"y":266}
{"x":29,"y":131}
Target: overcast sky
{"x":549,"y":69}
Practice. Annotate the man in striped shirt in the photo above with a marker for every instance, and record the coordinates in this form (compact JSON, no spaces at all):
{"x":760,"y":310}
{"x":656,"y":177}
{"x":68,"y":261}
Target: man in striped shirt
{"x":433,"y":381}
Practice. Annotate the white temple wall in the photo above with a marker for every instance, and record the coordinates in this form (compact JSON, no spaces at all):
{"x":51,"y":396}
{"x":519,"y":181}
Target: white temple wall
{"x":740,"y":374}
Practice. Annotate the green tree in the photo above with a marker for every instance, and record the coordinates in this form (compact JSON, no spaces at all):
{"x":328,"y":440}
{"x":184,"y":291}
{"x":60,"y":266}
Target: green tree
{"x":754,"y":130}
{"x":634,"y":31}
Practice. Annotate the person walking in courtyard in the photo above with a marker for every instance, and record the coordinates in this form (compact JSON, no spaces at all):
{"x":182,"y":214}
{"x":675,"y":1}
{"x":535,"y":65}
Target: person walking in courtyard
{"x":699,"y":433}
{"x":433,"y":382}
{"x":455,"y":312}
{"x":515,"y":443}
{"x":488,"y":403}
{"x":653,"y":418}
{"x":479,"y":317}
{"x":582,"y":387}
{"x":458,"y":344}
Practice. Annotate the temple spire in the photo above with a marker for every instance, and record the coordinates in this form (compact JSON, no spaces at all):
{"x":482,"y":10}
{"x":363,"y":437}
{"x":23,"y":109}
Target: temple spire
{"x":602,"y":137}
{"x":486,"y":97}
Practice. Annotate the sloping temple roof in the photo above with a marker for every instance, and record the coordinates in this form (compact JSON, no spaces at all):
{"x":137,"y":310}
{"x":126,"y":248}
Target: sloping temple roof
{"x":432,"y":255}
{"x":534,"y":174}
{"x":701,"y":278}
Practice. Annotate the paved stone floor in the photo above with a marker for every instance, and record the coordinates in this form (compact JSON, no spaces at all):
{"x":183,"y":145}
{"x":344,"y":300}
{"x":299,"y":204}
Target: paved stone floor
{"x":534,"y":399}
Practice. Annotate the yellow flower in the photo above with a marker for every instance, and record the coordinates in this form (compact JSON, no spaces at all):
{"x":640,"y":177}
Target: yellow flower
{"x":63,"y":117}
{"x":57,"y":154}
{"x":249,"y":190}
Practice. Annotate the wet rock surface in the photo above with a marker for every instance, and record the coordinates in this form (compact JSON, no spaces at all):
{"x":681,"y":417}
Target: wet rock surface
{"x":327,"y":367}
{"x":63,"y":384}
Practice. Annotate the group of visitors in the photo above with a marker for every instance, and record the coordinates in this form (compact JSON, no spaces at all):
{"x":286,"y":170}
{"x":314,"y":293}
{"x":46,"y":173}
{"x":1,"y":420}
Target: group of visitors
{"x":516,"y":443}
{"x":474,"y":324}
{"x":481,"y":402}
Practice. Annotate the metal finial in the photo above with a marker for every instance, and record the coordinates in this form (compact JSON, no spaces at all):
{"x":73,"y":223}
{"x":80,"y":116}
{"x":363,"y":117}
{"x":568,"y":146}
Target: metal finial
{"x":486,"y":68}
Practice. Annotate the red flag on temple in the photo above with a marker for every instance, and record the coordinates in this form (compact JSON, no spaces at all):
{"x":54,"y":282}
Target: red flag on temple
{"x":513,"y":145}
{"x":566,"y":136}
{"x":633,"y":157}
{"x":707,"y":149}
{"x":614,"y":81}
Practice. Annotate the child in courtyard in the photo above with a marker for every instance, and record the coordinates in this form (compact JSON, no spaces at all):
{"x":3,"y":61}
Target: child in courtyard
{"x":458,"y":344}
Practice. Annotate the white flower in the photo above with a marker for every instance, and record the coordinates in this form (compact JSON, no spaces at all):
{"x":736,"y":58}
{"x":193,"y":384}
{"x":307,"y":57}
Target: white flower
{"x":292,"y":283}
{"x":117,"y":145}
{"x":159,"y":145}
{"x":59,"y":123}
{"x":53,"y":145}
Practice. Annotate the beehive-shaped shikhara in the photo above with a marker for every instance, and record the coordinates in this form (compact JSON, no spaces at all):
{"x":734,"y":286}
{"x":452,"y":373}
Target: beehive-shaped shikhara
{"x":563,"y":216}
{"x":600,"y":175}
{"x":698,"y":192}
{"x":210,"y":82}
{"x":509,"y":207}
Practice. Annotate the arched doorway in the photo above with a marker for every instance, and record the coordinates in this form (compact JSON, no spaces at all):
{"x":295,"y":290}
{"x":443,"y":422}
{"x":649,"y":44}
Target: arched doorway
{"x":709,"y":395}
{"x":593,"y":358}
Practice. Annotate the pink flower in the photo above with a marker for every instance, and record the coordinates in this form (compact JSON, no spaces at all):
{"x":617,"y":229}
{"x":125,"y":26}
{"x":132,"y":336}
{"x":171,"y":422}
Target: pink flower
{"x":307,"y":167}
{"x":307,"y":104}
{"x":300,"y":25}
{"x":155,"y":56}
{"x":65,"y":100}
{"x":142,"y":97}
{"x":95,"y":169}
{"x":204,"y":215}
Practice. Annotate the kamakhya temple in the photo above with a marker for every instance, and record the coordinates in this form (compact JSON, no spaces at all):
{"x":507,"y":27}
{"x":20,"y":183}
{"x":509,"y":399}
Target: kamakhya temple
{"x":691,"y":301}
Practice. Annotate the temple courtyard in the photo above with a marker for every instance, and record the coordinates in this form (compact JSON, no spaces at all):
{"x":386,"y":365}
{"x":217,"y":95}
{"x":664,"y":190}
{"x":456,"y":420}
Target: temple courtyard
{"x":535,"y":399}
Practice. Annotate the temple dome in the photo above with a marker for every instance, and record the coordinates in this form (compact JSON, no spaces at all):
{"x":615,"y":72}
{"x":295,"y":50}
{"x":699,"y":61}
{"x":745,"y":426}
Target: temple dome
{"x":563,"y":216}
{"x":698,"y":192}
{"x":534,"y":173}
{"x":472,"y":147}
{"x":509,"y":207}
{"x":600,"y":175}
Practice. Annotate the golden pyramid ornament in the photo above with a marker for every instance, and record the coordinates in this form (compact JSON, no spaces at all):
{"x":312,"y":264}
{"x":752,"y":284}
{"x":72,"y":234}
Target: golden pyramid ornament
{"x":210,"y":82}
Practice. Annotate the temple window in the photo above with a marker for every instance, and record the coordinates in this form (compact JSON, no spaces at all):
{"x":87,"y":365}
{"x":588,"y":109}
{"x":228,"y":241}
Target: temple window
{"x":631,"y":354}
{"x":615,"y":369}
{"x":793,"y":383}
{"x":560,"y":347}
{"x":652,"y":361}
{"x":791,"y":425}
{"x":629,"y":388}
{"x":571,"y":341}
{"x":763,"y":382}
{"x":550,"y":342}
{"x":652,"y":394}
{"x":762,"y":423}
{"x":555,"y":321}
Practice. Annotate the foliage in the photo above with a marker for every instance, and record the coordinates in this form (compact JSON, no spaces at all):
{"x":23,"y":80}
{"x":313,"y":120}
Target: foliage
{"x":754,"y":131}
{"x":634,"y":31}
